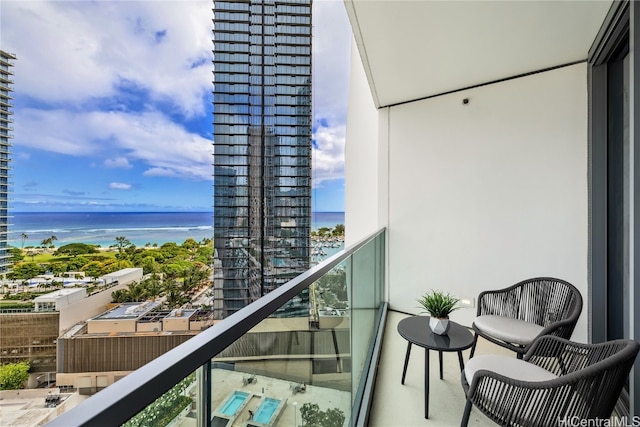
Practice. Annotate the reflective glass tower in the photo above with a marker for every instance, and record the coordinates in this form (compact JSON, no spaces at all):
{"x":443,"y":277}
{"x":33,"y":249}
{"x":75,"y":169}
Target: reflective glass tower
{"x":262,"y":147}
{"x":6,"y":83}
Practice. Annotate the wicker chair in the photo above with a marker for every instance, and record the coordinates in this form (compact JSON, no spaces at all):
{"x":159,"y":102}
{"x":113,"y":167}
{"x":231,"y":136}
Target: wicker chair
{"x":557,"y":380}
{"x":514,"y":317}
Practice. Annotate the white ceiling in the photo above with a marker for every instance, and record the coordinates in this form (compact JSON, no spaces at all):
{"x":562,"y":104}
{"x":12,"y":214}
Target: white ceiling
{"x":414,"y":49}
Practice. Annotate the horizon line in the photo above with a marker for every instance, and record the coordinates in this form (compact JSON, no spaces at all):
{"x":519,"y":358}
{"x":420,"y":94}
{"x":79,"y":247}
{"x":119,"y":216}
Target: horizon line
{"x":79,"y":212}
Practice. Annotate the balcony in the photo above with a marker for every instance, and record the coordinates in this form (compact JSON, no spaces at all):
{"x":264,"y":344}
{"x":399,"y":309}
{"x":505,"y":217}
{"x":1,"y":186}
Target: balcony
{"x":269,"y":359}
{"x":346,"y":359}
{"x":395,"y":404}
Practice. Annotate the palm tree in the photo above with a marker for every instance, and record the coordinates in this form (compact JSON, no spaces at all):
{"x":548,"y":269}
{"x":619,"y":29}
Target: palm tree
{"x":136,"y":291}
{"x":24,"y":237}
{"x":121,"y":243}
{"x":175,"y":298}
{"x":48,"y":241}
{"x":153,"y":287}
{"x":121,"y":295}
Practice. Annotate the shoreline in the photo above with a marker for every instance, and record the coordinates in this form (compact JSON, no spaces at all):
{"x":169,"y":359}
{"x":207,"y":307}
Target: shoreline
{"x":140,"y":228}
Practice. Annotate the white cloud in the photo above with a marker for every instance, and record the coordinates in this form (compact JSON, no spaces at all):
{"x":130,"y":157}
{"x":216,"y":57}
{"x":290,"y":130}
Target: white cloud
{"x":81,"y":55}
{"x":118,"y":162}
{"x":76,"y":51}
{"x":331,"y":60}
{"x":149,"y":137}
{"x":328,"y":155}
{"x":119,"y":186}
{"x":59,"y":131}
{"x":159,"y":172}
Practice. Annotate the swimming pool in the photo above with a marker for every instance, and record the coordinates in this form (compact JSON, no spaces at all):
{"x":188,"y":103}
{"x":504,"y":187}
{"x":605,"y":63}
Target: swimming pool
{"x":265,"y":411}
{"x":233,"y":403}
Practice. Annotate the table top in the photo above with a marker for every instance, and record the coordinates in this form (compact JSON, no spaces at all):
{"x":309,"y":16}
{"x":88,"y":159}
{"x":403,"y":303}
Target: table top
{"x":416,"y":330}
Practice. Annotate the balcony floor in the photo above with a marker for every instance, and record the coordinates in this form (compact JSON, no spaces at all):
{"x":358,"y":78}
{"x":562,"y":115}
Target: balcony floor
{"x":400,"y":405}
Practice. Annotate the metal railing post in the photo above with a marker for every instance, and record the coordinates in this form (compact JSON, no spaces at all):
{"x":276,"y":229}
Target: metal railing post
{"x":203,"y":376}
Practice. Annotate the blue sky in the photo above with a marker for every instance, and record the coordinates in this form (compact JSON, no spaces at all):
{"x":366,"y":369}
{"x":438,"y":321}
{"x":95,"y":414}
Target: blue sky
{"x":112,"y":104}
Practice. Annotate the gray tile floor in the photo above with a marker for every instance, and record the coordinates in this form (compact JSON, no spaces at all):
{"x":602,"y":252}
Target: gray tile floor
{"x":397,"y":405}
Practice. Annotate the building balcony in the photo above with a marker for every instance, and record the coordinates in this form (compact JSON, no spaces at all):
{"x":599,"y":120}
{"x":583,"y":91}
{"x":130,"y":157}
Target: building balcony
{"x":349,"y":359}
{"x":286,"y":350}
{"x":446,"y":396}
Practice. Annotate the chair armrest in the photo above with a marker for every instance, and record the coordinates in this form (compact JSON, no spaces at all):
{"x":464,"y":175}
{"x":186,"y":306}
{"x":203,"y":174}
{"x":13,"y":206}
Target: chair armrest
{"x":563,"y":357}
{"x":494,"y":395}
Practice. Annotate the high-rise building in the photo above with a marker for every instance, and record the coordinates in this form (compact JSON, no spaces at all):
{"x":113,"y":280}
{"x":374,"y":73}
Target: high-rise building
{"x":262,"y":146}
{"x":6,"y":61}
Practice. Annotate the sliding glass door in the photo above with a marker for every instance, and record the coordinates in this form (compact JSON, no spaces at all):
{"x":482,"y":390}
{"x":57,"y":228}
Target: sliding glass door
{"x":614,"y":187}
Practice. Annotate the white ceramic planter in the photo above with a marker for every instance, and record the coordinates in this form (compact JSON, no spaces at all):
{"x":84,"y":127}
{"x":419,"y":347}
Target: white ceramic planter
{"x":439,"y":326}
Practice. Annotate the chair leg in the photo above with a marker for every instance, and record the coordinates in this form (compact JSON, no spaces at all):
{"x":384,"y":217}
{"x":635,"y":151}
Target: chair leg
{"x":519,"y":355}
{"x":473,"y":346}
{"x":466,"y":414}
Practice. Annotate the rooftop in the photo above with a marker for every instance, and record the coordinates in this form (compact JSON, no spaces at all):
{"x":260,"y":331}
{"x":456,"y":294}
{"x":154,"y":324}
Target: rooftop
{"x":130,"y":310}
{"x":59,"y":293}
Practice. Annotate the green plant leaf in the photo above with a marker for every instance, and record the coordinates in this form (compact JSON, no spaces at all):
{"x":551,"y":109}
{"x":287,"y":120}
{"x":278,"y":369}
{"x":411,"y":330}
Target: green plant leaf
{"x":438,"y":304}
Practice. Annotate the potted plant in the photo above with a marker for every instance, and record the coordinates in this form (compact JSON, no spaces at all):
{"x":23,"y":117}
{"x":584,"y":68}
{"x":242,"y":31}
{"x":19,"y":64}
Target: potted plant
{"x":439,"y":305}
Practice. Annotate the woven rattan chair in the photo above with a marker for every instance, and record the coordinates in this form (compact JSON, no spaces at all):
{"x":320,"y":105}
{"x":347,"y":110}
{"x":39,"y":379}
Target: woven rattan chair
{"x":515,"y":316}
{"x":556,"y":381}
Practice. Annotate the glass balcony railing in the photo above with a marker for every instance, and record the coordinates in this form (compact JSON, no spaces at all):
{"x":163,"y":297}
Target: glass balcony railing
{"x":304,"y":354}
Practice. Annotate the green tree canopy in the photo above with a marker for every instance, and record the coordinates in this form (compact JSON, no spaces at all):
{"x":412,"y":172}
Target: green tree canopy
{"x":314,"y":417}
{"x":16,"y":254}
{"x":204,"y":254}
{"x":93,"y":269}
{"x":58,"y":268}
{"x":114,"y":265}
{"x":324,"y":231}
{"x":338,"y":230}
{"x":148,"y":264}
{"x":26,"y":270}
{"x":190,"y":244}
{"x":75,"y":249}
{"x":13,"y":375}
{"x":76,"y":263}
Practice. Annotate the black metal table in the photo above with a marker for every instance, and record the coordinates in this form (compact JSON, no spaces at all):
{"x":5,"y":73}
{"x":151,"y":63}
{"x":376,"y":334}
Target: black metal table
{"x":416,"y":331}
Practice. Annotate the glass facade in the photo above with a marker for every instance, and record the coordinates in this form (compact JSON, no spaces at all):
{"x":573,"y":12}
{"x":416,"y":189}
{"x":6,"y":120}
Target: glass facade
{"x":262,"y":147}
{"x":6,"y":129}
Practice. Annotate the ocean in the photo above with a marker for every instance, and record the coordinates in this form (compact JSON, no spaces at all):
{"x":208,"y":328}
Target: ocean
{"x":140,"y":228}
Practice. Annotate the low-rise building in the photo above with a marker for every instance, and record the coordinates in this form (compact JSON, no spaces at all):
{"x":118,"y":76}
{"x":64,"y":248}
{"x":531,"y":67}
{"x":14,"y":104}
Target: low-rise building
{"x":126,"y":275}
{"x":31,"y":335}
{"x":58,"y":299}
{"x":131,"y":334}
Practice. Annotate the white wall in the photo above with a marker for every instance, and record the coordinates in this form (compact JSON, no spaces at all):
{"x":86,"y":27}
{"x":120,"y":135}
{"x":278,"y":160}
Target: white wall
{"x":362,"y":189}
{"x":86,"y":308}
{"x":486,"y":194}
